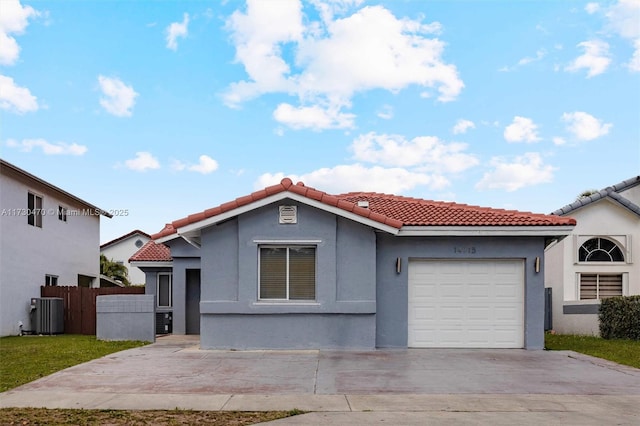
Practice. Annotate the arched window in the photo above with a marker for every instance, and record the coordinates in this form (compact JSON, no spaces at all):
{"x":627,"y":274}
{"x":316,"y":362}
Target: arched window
{"x":600,"y":250}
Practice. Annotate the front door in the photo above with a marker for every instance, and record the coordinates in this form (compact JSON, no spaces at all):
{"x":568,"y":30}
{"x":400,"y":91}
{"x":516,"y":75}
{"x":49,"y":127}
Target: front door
{"x":193,"y":301}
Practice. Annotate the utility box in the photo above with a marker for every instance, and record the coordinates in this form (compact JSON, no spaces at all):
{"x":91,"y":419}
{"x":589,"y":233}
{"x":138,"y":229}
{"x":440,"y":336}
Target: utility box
{"x":164,"y":323}
{"x":47,"y":315}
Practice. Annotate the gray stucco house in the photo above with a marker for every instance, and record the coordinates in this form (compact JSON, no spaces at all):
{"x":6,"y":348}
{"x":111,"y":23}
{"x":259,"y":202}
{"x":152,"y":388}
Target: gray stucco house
{"x":294,"y":267}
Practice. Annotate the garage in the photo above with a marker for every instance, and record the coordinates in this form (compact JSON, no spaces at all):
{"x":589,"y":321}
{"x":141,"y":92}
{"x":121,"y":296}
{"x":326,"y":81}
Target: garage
{"x":466,"y":303}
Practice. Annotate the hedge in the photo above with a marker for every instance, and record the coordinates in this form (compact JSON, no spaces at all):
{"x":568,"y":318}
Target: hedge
{"x":620,"y":318}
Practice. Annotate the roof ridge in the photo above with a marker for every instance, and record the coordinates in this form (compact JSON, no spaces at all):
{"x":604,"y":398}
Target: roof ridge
{"x":124,"y":237}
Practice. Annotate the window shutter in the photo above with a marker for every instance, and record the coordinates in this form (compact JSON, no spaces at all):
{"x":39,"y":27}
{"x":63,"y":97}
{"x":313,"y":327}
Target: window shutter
{"x":302,"y":273}
{"x":273,"y":273}
{"x":610,"y":286}
{"x":588,"y":286}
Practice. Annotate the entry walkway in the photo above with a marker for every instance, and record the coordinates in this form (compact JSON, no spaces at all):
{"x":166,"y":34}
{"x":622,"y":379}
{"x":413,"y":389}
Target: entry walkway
{"x":446,"y":386}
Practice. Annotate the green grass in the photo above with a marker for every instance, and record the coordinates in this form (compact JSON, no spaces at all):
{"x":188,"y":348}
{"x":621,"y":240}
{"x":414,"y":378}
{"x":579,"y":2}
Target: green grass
{"x":622,"y":351}
{"x":44,"y":416}
{"x":27,"y":358}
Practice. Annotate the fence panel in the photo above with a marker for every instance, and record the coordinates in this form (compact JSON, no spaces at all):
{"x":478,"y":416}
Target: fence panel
{"x":80,"y":304}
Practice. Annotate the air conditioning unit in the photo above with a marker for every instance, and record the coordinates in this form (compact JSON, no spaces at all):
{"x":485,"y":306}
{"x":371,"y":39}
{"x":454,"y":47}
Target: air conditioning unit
{"x":48,"y":315}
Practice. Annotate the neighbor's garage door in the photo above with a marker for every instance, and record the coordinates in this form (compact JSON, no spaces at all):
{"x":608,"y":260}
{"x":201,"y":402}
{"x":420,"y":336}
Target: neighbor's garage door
{"x":466,"y":304}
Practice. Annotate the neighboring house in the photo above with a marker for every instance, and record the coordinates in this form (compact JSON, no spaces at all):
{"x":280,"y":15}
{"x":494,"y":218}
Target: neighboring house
{"x":600,"y":259}
{"x":293,"y":267}
{"x":122,"y":248}
{"x":48,"y":237}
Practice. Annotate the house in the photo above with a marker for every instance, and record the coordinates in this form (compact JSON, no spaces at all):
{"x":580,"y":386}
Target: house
{"x":601,"y":257}
{"x":293,"y":267}
{"x":49,"y":237}
{"x":122,"y":248}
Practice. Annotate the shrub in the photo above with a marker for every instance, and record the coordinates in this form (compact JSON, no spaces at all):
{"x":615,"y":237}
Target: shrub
{"x":620,"y":318}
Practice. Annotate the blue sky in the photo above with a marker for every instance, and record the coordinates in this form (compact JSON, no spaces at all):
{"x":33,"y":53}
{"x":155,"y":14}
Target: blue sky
{"x":166,"y":108}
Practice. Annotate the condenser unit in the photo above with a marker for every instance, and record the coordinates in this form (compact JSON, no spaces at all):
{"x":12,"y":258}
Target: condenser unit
{"x":48,"y":315}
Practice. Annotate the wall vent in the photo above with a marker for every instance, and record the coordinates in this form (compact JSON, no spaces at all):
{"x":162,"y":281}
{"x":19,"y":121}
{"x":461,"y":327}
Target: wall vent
{"x":288,"y":214}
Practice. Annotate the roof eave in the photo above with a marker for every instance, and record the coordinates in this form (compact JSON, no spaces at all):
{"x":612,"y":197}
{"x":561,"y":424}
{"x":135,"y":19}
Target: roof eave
{"x":151,"y":264}
{"x":197,"y":226}
{"x":483,"y":231}
{"x":54,"y":188}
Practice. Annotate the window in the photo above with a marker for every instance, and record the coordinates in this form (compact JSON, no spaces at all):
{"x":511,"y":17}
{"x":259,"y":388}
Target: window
{"x":34,"y":210}
{"x":163,"y":290}
{"x":62,"y":213}
{"x":600,"y":286}
{"x":50,"y":280}
{"x":139,"y":243}
{"x":600,"y":250}
{"x":287,"y":273}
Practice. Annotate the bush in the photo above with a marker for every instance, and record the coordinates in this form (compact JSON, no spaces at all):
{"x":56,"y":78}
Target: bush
{"x":620,"y":318}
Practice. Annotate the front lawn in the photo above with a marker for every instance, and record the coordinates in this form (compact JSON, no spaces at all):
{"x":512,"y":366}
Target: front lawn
{"x":27,"y":358}
{"x":622,"y":351}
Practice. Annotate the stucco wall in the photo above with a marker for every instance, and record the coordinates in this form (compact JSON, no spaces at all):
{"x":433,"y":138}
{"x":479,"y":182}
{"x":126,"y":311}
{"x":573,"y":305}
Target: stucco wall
{"x":392,"y":288}
{"x":28,"y":253}
{"x":603,"y":218}
{"x":126,"y":317}
{"x":342,"y":314}
{"x":122,"y":251}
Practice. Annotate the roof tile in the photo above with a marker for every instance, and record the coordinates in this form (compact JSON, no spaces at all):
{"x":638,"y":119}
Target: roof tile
{"x":392,"y":210}
{"x":152,"y":252}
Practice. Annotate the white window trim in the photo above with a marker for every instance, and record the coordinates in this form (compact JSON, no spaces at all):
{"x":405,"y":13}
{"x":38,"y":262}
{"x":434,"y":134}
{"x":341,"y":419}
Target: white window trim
{"x":170,"y":275}
{"x":49,"y":278}
{"x":623,"y":242}
{"x":287,"y":244}
{"x":40,"y":213}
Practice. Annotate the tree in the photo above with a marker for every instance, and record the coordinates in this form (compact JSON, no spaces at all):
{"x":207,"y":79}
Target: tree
{"x":114,"y":270}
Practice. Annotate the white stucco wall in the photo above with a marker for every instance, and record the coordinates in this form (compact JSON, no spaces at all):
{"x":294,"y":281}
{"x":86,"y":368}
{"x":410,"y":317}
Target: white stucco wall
{"x":122,"y":251}
{"x":602,"y":218}
{"x":28,"y":253}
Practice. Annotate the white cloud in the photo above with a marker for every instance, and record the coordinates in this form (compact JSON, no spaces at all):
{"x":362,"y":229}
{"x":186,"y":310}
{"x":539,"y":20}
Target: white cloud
{"x":634,"y":63}
{"x":585,"y":127}
{"x":523,"y":171}
{"x":13,"y":20}
{"x":595,"y":58}
{"x":205,"y":165}
{"x":144,"y":161}
{"x":540,"y":54}
{"x":58,"y":148}
{"x":386,"y":112}
{"x":622,"y":19}
{"x":592,"y":8}
{"x":15,"y":98}
{"x":312,"y":117}
{"x":119,"y":98}
{"x":521,"y":130}
{"x":335,"y":58}
{"x":175,"y":30}
{"x":356,"y":177}
{"x":425,"y":152}
{"x":462,"y":126}
{"x":559,"y":140}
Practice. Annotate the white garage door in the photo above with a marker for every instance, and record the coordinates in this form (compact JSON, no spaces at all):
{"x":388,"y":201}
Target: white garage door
{"x":466,"y":304}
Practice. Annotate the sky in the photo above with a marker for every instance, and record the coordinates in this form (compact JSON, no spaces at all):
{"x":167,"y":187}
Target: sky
{"x":155,"y":110}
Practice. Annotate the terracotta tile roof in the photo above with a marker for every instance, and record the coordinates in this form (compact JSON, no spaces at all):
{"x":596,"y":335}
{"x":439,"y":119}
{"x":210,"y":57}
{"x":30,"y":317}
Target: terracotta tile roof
{"x":152,"y":252}
{"x":124,"y":237}
{"x":419,"y":212}
{"x":391,"y":210}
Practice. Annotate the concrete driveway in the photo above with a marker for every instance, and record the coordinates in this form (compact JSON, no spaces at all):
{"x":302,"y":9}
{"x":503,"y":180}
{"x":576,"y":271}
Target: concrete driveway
{"x":174,"y":372}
